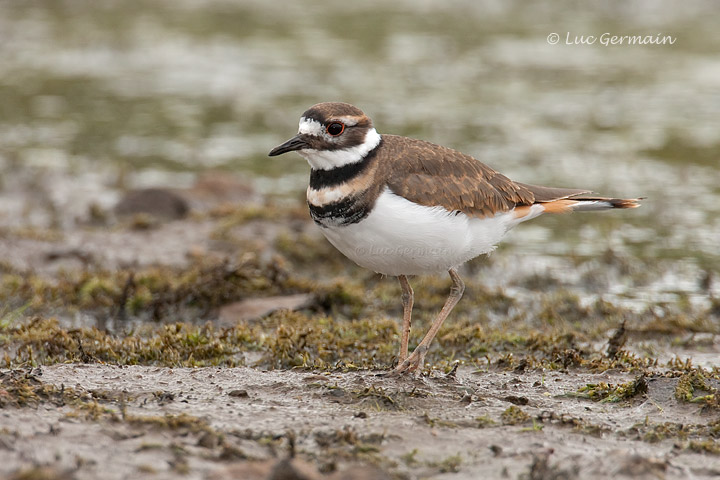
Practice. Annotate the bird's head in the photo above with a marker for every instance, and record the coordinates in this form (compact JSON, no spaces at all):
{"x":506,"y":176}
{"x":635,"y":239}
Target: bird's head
{"x":331,"y":135}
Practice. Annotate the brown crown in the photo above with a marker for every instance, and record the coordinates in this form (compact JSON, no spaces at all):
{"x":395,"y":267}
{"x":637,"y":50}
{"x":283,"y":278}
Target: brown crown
{"x":323,"y":112}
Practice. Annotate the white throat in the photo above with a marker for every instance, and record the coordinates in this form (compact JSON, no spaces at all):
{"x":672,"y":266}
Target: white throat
{"x":329,"y":159}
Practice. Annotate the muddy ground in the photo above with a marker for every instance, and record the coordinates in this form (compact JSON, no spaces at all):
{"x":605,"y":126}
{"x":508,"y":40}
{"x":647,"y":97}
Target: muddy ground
{"x":223,"y":366}
{"x":215,"y":422}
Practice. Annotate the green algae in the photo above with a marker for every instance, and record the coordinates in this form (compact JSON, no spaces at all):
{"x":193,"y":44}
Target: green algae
{"x":514,"y":416}
{"x":352,"y":321}
{"x":23,"y":388}
{"x":449,"y":464}
{"x":44,"y":341}
{"x":609,"y":393}
{"x":154,"y":290}
{"x":694,"y":387}
{"x":322,"y":342}
{"x":298,"y":340}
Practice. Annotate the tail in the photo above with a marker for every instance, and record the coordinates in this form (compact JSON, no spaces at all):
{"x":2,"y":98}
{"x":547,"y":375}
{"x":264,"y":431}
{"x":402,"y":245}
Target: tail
{"x":566,"y":200}
{"x":567,"y":205}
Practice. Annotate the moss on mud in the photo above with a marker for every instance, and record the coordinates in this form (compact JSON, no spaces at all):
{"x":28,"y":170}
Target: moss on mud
{"x":604,"y":392}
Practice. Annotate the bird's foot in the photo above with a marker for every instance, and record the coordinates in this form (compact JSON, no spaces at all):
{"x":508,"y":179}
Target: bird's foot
{"x":412,"y":364}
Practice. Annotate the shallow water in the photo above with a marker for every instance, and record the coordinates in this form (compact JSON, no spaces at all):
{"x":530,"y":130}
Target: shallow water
{"x":96,"y":97}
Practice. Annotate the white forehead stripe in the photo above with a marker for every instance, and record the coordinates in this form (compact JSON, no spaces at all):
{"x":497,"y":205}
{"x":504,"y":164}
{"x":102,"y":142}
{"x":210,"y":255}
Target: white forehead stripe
{"x":310,"y":127}
{"x":313,"y":127}
{"x":349,"y":121}
{"x":329,"y":159}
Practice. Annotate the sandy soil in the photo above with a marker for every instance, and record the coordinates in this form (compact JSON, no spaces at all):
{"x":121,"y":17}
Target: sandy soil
{"x":435,"y":427}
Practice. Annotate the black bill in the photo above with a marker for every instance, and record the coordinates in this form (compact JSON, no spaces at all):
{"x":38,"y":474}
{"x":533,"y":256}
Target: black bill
{"x":295,"y":143}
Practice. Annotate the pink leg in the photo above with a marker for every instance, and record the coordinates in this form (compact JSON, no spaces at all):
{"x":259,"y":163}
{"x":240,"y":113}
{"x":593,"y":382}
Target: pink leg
{"x":414,"y":363}
{"x":407,"y":301}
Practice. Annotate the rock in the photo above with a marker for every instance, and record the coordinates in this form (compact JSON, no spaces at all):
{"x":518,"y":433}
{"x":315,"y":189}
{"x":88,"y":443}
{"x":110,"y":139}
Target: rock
{"x":247,"y":470}
{"x":293,"y":470}
{"x":239,"y":393}
{"x":639,"y":467}
{"x":51,"y":473}
{"x":215,"y":189}
{"x":158,"y":202}
{"x":360,"y":473}
{"x":255,"y":308}
{"x":209,"y":440}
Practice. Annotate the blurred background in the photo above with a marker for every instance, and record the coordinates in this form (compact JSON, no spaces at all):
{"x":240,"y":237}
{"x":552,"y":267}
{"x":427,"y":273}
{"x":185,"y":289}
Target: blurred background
{"x":99,"y":98}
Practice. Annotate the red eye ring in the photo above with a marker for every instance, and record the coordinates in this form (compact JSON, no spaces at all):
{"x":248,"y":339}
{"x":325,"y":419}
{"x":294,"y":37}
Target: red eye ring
{"x":336,"y":128}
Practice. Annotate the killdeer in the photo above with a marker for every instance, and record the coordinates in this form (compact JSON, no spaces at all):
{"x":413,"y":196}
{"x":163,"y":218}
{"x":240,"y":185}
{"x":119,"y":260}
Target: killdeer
{"x":401,"y":206}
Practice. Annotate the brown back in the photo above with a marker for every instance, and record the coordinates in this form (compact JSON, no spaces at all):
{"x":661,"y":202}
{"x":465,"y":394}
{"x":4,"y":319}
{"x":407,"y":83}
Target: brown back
{"x":433,"y":175}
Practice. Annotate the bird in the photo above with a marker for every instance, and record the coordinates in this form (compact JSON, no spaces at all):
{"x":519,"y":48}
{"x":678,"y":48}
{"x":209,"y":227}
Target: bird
{"x":404,"y":207}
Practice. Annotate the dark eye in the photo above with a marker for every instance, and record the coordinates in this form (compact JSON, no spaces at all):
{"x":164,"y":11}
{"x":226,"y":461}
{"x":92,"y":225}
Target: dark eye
{"x":335,"y":129}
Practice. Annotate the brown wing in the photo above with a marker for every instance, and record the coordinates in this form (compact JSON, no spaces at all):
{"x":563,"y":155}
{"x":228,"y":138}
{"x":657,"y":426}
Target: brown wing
{"x":432,"y":175}
{"x":550,"y":194}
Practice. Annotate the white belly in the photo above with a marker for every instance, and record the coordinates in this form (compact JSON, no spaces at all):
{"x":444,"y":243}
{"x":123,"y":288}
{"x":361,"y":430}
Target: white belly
{"x":399,"y":237}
